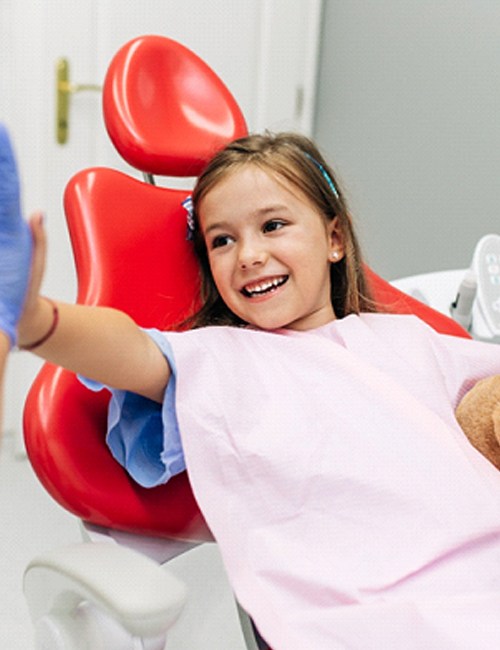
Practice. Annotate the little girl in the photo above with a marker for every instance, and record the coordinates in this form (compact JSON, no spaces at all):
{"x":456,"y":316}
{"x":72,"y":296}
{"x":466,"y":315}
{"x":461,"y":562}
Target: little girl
{"x":319,"y":435}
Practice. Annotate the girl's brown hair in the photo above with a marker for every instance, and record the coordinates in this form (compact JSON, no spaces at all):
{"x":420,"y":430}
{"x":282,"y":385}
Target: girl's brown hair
{"x":296,"y":159}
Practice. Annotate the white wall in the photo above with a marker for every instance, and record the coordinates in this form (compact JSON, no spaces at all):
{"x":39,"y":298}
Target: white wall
{"x":409,"y":113}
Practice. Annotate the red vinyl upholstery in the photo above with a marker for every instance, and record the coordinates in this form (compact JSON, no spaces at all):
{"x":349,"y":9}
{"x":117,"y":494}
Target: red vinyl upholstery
{"x":130,"y":248}
{"x":165,"y":109}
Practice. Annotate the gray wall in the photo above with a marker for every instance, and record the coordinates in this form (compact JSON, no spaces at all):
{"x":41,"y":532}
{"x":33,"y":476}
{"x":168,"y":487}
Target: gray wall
{"x":408,"y":113}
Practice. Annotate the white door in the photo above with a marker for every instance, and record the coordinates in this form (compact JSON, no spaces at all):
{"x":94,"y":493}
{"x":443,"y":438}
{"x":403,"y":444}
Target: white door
{"x":264,"y":50}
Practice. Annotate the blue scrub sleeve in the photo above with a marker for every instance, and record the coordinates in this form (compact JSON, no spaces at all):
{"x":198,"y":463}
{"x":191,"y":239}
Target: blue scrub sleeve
{"x":143,"y":435}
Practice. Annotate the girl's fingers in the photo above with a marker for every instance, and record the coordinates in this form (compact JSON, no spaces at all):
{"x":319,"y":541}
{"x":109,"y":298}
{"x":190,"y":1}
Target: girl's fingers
{"x":38,"y":257}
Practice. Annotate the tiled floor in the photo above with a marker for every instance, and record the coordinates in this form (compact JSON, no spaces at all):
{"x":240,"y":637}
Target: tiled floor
{"x":31,"y":522}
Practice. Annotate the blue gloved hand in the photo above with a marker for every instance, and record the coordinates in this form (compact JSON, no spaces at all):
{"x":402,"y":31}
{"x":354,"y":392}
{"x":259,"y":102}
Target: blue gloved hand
{"x":15,"y":242}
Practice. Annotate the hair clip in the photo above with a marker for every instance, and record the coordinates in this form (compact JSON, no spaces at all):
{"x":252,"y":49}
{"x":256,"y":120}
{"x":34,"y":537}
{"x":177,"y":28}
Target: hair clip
{"x":326,"y":175}
{"x":187,"y":204}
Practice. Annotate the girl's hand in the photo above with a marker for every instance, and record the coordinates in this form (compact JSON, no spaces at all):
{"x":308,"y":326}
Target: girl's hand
{"x":36,"y":314}
{"x":15,"y":242}
{"x":38,"y":257}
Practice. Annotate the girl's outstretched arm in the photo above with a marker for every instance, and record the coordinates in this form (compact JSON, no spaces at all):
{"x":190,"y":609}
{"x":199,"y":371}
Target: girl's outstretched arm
{"x":100,"y":343}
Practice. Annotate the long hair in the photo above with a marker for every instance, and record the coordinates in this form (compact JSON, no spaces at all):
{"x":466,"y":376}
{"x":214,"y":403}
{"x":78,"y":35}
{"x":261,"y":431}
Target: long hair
{"x":297,"y":160}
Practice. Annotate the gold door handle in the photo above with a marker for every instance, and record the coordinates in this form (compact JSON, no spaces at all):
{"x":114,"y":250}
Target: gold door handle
{"x":64,"y":89}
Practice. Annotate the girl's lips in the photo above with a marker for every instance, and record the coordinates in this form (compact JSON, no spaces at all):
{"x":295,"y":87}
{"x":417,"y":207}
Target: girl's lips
{"x":264,"y":286}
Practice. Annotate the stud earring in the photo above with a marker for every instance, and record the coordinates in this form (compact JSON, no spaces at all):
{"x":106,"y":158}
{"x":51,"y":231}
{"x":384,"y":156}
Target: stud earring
{"x":334,"y":255}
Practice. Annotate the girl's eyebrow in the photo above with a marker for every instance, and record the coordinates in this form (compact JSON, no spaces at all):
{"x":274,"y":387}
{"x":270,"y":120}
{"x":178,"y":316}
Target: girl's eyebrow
{"x":224,"y":225}
{"x":219,"y":225}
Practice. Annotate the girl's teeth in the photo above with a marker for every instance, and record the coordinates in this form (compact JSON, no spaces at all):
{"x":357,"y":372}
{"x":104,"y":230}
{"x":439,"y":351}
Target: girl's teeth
{"x":264,"y":286}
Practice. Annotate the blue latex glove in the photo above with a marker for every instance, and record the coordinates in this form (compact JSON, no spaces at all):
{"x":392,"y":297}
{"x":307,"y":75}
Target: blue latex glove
{"x":15,"y":242}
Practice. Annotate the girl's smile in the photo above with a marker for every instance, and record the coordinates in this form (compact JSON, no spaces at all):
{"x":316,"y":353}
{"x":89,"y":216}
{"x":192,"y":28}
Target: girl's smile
{"x":269,"y":250}
{"x":263,"y":288}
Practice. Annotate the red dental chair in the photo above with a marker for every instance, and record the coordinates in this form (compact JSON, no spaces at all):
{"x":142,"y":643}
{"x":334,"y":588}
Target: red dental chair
{"x":166,"y":112}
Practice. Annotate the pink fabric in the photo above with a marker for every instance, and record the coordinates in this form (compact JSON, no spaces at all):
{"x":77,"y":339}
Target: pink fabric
{"x":350,"y":510}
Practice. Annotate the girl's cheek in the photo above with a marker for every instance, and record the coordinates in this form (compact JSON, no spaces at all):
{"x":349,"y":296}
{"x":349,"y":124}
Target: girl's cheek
{"x":217,"y":271}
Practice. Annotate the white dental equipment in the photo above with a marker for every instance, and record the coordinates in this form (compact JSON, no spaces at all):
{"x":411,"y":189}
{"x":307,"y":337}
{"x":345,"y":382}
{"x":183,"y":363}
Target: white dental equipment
{"x":477,"y":305}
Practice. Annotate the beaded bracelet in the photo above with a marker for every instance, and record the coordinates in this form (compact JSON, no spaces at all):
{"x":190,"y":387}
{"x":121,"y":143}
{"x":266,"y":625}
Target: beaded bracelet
{"x":52,"y":329}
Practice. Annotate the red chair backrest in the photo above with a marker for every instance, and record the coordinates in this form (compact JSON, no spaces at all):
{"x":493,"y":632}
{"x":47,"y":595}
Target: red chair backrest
{"x":131,"y":253}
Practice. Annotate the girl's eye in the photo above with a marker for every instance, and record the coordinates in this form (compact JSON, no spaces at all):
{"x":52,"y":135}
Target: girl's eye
{"x":221,"y":240}
{"x":274,"y":224}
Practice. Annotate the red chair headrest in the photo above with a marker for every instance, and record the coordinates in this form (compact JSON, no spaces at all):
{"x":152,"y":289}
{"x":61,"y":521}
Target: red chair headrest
{"x":165,"y":109}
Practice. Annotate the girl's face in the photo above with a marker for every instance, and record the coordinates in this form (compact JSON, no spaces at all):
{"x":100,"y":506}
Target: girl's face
{"x":269,"y":250}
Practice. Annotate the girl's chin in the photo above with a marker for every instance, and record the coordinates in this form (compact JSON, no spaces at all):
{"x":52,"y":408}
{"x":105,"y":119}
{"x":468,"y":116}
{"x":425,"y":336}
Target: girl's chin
{"x":268,"y":324}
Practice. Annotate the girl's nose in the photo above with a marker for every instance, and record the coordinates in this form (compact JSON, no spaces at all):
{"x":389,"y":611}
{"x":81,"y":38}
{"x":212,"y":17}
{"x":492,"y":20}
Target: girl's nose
{"x":251,"y":254}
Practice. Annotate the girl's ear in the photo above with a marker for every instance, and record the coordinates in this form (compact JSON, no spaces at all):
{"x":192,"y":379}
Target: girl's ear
{"x":336,"y":240}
